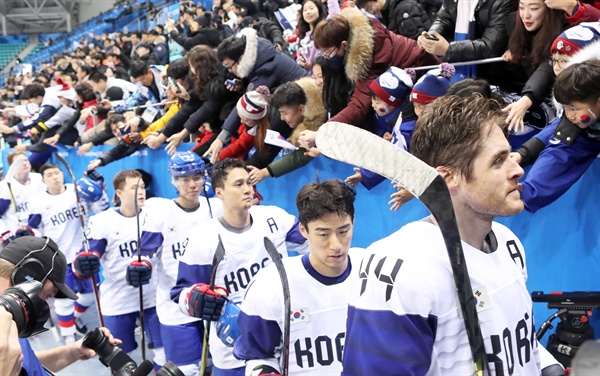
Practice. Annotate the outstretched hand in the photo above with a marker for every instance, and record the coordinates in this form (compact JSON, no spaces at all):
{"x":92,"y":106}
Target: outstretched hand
{"x":399,"y":198}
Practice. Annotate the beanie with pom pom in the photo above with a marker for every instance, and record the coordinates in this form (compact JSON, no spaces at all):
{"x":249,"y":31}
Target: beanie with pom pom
{"x":433,"y":84}
{"x":393,"y":86}
{"x":253,"y":104}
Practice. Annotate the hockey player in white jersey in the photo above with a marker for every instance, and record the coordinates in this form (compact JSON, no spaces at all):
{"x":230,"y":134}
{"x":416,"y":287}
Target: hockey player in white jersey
{"x":181,"y":334}
{"x":404,"y":316}
{"x":112,"y":236}
{"x":242,"y":228}
{"x":55,"y":215}
{"x":14,"y":199}
{"x":319,"y":290}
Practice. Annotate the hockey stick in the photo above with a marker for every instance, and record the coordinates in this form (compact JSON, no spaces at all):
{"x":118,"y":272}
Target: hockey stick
{"x":10,"y":174}
{"x":218,"y":256}
{"x":86,"y":243}
{"x":287,"y":312}
{"x":139,"y":254}
{"x":358,"y":147}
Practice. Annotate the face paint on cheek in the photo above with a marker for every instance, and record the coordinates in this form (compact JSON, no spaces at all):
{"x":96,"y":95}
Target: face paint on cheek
{"x":585,"y":119}
{"x":381,"y":109}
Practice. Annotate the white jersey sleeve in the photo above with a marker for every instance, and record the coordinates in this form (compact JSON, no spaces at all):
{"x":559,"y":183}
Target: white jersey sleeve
{"x":405,"y":296}
{"x":11,"y":219}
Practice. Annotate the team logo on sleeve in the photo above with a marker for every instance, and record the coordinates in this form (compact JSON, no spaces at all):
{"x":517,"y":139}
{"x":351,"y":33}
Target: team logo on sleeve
{"x":299,"y":315}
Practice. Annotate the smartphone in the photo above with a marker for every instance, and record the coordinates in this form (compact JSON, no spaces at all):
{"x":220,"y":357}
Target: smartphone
{"x":231,"y":82}
{"x":174,"y":83}
{"x":431,"y":37}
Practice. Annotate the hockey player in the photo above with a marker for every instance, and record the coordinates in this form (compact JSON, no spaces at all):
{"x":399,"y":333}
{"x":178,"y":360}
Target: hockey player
{"x":319,"y":290}
{"x":242,"y":228}
{"x":112,"y":236}
{"x":14,"y":199}
{"x":54,"y":213}
{"x":181,"y":334}
{"x":404,"y":316}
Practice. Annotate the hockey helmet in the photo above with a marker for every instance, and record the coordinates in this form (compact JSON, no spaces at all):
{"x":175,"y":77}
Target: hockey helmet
{"x":185,"y":163}
{"x":227,"y":327}
{"x":89,"y":190}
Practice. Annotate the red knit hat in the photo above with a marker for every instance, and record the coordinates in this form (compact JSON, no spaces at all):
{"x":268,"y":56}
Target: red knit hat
{"x":574,"y":39}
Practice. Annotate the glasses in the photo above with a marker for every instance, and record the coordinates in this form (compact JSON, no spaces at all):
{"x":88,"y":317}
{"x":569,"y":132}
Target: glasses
{"x":560,"y":62}
{"x":331,"y":54}
{"x":228,"y":67}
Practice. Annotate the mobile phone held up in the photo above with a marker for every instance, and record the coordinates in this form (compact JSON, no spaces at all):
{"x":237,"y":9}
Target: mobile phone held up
{"x":174,"y":83}
{"x":431,"y":37}
{"x":231,"y":82}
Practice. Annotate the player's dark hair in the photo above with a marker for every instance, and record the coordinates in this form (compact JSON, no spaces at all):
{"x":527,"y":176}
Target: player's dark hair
{"x":33,"y":91}
{"x":138,"y":68}
{"x":452,"y":130}
{"x":121,"y":177}
{"x":578,"y":83}
{"x":47,"y":166}
{"x":221,"y":170}
{"x":97,"y":76}
{"x":288,"y":94}
{"x":232,"y":48}
{"x":315,"y":200}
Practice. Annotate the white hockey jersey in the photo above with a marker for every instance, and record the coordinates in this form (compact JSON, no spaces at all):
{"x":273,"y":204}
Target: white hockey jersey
{"x":317,"y":324}
{"x":57,"y":217}
{"x":176,"y":223}
{"x":114,"y":237}
{"x":10,"y":219}
{"x":404,"y":316}
{"x":245,"y":255}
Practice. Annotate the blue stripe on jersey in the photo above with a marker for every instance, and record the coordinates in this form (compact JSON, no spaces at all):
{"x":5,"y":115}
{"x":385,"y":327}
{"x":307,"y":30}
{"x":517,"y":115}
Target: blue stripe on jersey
{"x":34,"y":220}
{"x":380,"y":341}
{"x":328,"y":281}
{"x":189,"y":275}
{"x":294,"y":235}
{"x":151,"y":241}
{"x":98,"y":245}
{"x":4,"y":205}
{"x":258,"y":338}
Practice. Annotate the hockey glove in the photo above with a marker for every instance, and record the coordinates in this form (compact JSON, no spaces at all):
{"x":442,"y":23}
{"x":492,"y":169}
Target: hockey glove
{"x":204,"y":303}
{"x":86,"y":264}
{"x":139,"y":273}
{"x":6,"y":238}
{"x":25,"y":231}
{"x":95,"y":176}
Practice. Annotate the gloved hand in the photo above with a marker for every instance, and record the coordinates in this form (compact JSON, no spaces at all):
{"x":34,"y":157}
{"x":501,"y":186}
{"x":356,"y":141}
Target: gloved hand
{"x":95,"y":175}
{"x":204,"y":303}
{"x":25,"y":231}
{"x":86,"y":264}
{"x":139,"y":272}
{"x":6,"y":238}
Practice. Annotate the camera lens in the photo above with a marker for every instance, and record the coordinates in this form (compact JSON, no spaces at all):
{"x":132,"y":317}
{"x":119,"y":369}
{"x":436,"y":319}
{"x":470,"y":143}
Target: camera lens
{"x":169,"y":369}
{"x":29,"y":311}
{"x":96,"y":341}
{"x":111,"y":356}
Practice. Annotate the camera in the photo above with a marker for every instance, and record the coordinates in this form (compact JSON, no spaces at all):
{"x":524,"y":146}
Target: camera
{"x":119,"y":362}
{"x":29,"y":311}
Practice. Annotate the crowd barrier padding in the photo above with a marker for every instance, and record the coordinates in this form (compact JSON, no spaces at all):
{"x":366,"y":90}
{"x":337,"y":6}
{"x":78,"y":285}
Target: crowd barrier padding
{"x":562,"y":241}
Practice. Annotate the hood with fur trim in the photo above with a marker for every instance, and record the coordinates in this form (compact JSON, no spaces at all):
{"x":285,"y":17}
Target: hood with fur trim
{"x":589,"y":52}
{"x":361,"y":44}
{"x":248,"y":60}
{"x":314,"y":111}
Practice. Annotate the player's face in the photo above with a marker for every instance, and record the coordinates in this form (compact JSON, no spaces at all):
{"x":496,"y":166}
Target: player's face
{"x":493,"y":189}
{"x":189,"y":186}
{"x":329,"y":240}
{"x":237,"y":192}
{"x":127,"y":194}
{"x":53,"y":178}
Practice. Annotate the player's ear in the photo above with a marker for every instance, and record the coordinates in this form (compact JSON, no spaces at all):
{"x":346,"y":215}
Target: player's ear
{"x":303,"y":230}
{"x":218,"y":192}
{"x":449,"y":176}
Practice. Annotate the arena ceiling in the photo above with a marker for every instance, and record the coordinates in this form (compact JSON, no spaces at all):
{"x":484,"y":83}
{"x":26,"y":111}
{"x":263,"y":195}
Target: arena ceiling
{"x":38,"y":16}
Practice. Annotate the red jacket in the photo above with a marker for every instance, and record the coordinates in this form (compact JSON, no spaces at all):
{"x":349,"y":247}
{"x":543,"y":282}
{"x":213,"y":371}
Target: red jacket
{"x":90,"y":120}
{"x":240,"y":147}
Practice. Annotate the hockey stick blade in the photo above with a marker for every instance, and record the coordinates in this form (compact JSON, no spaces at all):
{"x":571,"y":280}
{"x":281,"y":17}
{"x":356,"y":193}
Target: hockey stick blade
{"x":86,"y":244}
{"x":218,"y":256}
{"x":276,"y":258}
{"x":14,"y":167}
{"x":358,"y":147}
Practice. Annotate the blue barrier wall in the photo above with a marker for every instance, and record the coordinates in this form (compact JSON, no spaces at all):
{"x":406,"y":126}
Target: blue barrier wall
{"x":562,"y":241}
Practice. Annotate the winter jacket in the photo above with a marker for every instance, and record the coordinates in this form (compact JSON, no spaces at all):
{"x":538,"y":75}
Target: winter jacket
{"x":583,"y":13}
{"x":269,"y":30}
{"x":160,"y":123}
{"x":240,"y":146}
{"x":161,"y":50}
{"x":209,"y":37}
{"x":491,"y":37}
{"x":143,"y":94}
{"x":261,"y":64}
{"x":372,"y":49}
{"x":314,"y":116}
{"x":405,"y":17}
